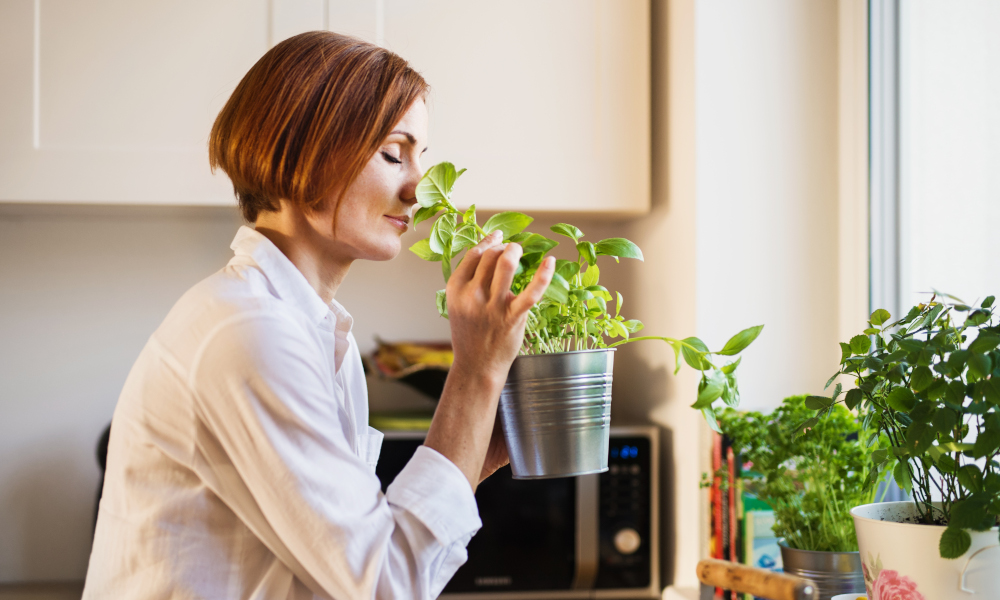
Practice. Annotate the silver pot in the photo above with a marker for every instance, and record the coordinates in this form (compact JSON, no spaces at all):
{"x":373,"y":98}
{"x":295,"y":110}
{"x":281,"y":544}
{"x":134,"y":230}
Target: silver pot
{"x":832,"y":572}
{"x":555,"y":410}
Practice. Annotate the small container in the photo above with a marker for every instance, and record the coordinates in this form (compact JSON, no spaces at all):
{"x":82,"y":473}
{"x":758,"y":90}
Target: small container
{"x":834,"y":573}
{"x":555,"y":410}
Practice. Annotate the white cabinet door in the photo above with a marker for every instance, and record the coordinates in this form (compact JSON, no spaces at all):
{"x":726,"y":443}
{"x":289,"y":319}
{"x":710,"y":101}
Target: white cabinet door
{"x":547,"y":103}
{"x":112,"y":101}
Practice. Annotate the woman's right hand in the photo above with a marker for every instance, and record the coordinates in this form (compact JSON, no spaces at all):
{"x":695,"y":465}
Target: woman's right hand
{"x":487,"y":319}
{"x":487,"y":330}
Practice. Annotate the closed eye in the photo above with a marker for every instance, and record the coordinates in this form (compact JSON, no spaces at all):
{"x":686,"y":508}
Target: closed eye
{"x":391,"y":159}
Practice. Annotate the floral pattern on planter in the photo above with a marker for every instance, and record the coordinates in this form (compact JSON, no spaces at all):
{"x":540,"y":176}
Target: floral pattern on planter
{"x":886,"y":584}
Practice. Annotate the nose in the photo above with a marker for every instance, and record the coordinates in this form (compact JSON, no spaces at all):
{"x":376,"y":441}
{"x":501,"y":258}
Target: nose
{"x":413,"y":175}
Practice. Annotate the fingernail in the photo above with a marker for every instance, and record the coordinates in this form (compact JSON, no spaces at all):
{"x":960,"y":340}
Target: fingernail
{"x":497,"y":235}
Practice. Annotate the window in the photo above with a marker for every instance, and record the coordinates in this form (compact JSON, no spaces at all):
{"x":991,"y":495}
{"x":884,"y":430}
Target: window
{"x":935,"y":148}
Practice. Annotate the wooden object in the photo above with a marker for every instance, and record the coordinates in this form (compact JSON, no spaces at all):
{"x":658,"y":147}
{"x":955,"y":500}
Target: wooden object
{"x":759,"y":582}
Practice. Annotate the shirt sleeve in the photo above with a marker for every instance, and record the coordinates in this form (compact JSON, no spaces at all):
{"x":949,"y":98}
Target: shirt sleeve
{"x":277,"y":450}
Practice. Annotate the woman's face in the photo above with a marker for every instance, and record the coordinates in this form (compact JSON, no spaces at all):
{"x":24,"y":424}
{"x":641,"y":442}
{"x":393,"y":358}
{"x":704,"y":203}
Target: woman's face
{"x":376,"y":209}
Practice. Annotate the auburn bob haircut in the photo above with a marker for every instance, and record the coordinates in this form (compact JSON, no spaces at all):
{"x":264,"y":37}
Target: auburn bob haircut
{"x":306,"y":119}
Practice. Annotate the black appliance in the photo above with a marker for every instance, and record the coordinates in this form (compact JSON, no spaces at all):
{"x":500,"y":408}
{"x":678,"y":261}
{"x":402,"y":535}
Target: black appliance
{"x":593,"y":536}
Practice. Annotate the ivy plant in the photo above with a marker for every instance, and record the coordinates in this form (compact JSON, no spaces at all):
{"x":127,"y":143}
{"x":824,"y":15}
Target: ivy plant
{"x":574,"y":313}
{"x":929,"y":385}
{"x":810,"y":480}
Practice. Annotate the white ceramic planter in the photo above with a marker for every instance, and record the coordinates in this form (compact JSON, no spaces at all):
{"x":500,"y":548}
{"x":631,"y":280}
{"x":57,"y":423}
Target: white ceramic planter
{"x":901,"y":560}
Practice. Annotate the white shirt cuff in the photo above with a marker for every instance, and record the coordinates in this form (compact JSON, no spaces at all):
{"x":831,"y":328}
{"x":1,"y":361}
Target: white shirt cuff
{"x":434,"y":490}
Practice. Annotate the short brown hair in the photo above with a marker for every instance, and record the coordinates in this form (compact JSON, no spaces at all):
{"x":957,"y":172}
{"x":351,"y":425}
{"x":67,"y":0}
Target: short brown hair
{"x":307,"y":118}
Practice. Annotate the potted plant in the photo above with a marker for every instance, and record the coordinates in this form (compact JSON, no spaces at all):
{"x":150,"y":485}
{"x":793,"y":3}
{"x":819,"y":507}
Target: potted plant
{"x":929,"y":386}
{"x":555,"y":407}
{"x":811,"y":478}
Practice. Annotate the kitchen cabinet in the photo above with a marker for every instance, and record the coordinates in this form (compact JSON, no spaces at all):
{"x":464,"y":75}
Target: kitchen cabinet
{"x":111,"y":101}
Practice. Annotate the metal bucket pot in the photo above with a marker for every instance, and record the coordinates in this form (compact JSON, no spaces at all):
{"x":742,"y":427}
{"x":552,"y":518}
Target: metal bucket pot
{"x":555,"y":410}
{"x":833,"y":572}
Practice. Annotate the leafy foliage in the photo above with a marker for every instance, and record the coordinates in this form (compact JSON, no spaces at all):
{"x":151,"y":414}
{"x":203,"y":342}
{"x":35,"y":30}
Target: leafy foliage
{"x":810,"y":478}
{"x":574,"y":313}
{"x":929,"y":386}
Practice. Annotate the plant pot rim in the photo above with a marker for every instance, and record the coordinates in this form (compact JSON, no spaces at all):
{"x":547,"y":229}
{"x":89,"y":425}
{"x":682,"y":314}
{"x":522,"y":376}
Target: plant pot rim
{"x":783,"y":544}
{"x":887,"y":522}
{"x":520,"y":356}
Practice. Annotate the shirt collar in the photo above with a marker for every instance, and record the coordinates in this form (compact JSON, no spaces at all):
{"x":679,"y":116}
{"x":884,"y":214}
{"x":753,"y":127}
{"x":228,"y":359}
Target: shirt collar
{"x":287,"y":280}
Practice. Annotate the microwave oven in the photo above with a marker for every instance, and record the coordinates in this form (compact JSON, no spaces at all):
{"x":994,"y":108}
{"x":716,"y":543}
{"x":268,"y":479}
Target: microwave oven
{"x":591,"y":536}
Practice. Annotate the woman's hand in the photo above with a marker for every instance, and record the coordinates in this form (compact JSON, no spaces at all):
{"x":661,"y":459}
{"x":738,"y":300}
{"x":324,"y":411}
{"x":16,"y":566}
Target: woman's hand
{"x":487,"y":329}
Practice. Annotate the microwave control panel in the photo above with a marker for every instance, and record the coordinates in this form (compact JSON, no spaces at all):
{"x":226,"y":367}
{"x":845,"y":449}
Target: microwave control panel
{"x":625,"y":526}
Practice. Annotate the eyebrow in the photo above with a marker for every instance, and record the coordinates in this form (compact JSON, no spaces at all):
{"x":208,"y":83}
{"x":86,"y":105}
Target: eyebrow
{"x":409,"y":137}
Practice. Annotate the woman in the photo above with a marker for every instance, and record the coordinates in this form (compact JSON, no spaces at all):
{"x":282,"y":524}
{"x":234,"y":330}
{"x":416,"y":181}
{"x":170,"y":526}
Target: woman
{"x":240,"y":463}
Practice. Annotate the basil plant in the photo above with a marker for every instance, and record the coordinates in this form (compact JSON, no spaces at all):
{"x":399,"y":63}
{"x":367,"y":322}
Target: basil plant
{"x":929,"y":386}
{"x":574,"y":312}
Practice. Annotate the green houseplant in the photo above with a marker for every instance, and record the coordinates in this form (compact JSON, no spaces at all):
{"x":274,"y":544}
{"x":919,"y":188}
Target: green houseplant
{"x":574,"y":315}
{"x":811,"y":479}
{"x":928,"y":385}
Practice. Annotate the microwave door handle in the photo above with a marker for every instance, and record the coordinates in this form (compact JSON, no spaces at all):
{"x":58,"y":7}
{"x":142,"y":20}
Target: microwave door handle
{"x":587,"y":534}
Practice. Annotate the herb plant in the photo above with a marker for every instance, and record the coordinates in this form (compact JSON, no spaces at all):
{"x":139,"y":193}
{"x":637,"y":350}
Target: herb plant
{"x":574,"y":313}
{"x":929,"y":385}
{"x":810,"y":479}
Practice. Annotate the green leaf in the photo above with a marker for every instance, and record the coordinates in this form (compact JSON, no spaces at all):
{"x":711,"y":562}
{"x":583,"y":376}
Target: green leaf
{"x":984,"y":343}
{"x":845,"y":353}
{"x":558,"y":290}
{"x":979,"y":366}
{"x":731,"y":367}
{"x":532,"y":242}
{"x":510,"y":223}
{"x":954,"y":542}
{"x":692,"y":357}
{"x":991,"y":390}
{"x":986,"y":444}
{"x":619,"y":247}
{"x":818,"y":402}
{"x":709,"y":390}
{"x":591,"y":276}
{"x":741,"y":340}
{"x":442,"y":232}
{"x":860,"y":344}
{"x":618,"y":304}
{"x":879,"y":316}
{"x":426,"y":212}
{"x":567,"y":269}
{"x":446,"y":266}
{"x":442,"y":303}
{"x":634,"y":325}
{"x":901,"y":399}
{"x":711,"y":419}
{"x":919,"y":438}
{"x":944,"y":420}
{"x":436,"y":184}
{"x":971,"y":513}
{"x":618,"y":329}
{"x":587,"y":252}
{"x":853,"y":398}
{"x":804,"y":427}
{"x":921,"y":379}
{"x":464,"y":238}
{"x":988,"y":302}
{"x":971,"y":478}
{"x":469,"y":216}
{"x":902,"y":476}
{"x":423,"y":250}
{"x":570,"y":231}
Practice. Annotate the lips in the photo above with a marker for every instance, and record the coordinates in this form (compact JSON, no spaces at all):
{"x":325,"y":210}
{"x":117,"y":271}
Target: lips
{"x":399,"y":221}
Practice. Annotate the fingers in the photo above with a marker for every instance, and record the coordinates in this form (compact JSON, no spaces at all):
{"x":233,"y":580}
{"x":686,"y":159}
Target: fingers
{"x":467,"y":268}
{"x":534,"y":291}
{"x":503,"y":275}
{"x":487,"y":265}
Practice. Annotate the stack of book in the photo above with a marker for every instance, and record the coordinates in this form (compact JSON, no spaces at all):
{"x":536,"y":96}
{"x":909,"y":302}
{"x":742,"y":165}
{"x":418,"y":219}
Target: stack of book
{"x":741,"y":523}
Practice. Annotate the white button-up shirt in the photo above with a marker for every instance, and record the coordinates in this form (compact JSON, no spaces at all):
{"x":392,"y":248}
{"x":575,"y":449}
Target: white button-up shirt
{"x":241,"y":464}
